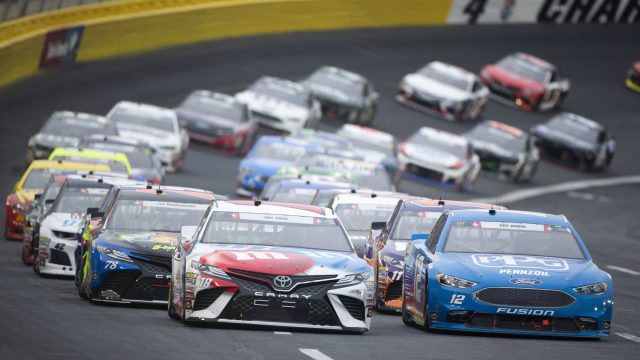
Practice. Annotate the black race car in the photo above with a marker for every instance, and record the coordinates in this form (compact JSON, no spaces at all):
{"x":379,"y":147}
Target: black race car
{"x":504,"y":150}
{"x":343,"y":94}
{"x":576,"y":140}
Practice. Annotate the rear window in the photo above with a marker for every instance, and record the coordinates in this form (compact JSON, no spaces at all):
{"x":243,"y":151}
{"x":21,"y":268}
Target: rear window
{"x":276,"y":230}
{"x":76,"y":200}
{"x":149,"y":215}
{"x":358,"y":217}
{"x":491,"y":237}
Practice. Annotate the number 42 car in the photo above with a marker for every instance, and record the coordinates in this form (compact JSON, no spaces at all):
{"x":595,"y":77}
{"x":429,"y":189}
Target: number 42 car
{"x":506,"y":271}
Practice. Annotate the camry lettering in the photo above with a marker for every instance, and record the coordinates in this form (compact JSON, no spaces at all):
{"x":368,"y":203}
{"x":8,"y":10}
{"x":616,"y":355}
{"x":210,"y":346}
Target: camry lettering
{"x":536,"y":312}
{"x":259,"y":255}
{"x":545,"y":263}
{"x":284,"y":296}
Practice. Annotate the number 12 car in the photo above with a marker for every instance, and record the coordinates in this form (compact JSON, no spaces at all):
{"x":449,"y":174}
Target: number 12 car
{"x":506,"y":271}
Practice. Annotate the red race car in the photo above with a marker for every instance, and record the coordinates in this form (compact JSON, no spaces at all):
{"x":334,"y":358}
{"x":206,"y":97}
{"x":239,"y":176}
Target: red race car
{"x":526,"y":81}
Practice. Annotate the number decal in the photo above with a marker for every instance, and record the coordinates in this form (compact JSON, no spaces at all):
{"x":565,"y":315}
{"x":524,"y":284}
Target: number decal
{"x":397,"y":275}
{"x":59,"y":246}
{"x":111,"y":265}
{"x":457,"y":299}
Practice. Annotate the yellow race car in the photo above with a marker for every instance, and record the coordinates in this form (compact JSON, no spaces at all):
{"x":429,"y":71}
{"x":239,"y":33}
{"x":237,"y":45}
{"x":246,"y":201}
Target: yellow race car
{"x":32,"y":182}
{"x":117,"y":161}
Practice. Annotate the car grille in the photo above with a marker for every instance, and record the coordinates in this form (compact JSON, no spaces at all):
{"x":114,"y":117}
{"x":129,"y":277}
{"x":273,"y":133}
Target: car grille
{"x":119,"y":281}
{"x":503,"y":90}
{"x":263,"y":281}
{"x":59,"y":257}
{"x":354,"y":306}
{"x":524,"y":297}
{"x":206,"y":297}
{"x":152,"y":262}
{"x":523,"y":322}
{"x":394,"y":291}
{"x":426,"y":101}
{"x":424,"y":172}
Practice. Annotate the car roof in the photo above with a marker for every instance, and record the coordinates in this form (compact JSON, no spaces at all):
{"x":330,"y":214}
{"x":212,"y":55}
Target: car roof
{"x":581,"y":120}
{"x":91,"y":183}
{"x":372,"y":135}
{"x":508,"y":216}
{"x":89,"y":153}
{"x":514,"y":131}
{"x":67,"y":165}
{"x":167,"y":193}
{"x":441,"y":205}
{"x":371,"y":198}
{"x":452,"y":70}
{"x":445,"y":136}
{"x":274,"y":208}
{"x":343,"y":73}
{"x":284,"y":84}
{"x":541,"y":63}
{"x":142,"y":107}
{"x":79,"y":115}
{"x":311,"y":184}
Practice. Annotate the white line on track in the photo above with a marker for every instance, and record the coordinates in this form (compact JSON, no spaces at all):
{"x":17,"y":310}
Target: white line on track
{"x":624,"y":270}
{"x":315,"y":354}
{"x":629,"y":337}
{"x":282,"y":333}
{"x":519,"y":195}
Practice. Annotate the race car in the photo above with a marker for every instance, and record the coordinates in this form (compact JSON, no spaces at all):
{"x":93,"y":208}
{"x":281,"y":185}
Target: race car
{"x":325,"y":139}
{"x":373,"y":145}
{"x":117,"y":162}
{"x":155,"y":125}
{"x":60,"y":227}
{"x":343,"y":94}
{"x":33,"y":181}
{"x":576,"y":140}
{"x":128,"y":259}
{"x":633,"y":77}
{"x":39,"y":207}
{"x":386,"y":251}
{"x":526,"y":82}
{"x":504,"y":271}
{"x":218,"y":119}
{"x":444,"y":90}
{"x":64,"y":129}
{"x":358,"y":211}
{"x":145,"y":165}
{"x":505,"y":150}
{"x":281,"y":105}
{"x":266,"y":158}
{"x":302,"y":191}
{"x":440,"y":158}
{"x":273,"y":264}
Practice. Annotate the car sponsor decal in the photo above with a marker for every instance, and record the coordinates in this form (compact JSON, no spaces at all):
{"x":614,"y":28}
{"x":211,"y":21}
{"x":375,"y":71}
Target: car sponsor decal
{"x":171,"y":205}
{"x":525,"y":281}
{"x":191,"y":275}
{"x":520,"y":261}
{"x":275,"y":262}
{"x":518,"y":226}
{"x":527,"y":272}
{"x":519,"y":311}
{"x":188,"y":295}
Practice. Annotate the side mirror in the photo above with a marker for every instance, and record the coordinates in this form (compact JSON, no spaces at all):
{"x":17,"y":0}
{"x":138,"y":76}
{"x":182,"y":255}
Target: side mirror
{"x":94,"y":213}
{"x":423,"y":237}
{"x":378,"y":225}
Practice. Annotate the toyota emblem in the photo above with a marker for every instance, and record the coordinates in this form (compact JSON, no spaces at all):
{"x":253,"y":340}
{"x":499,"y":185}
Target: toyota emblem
{"x":282,"y":282}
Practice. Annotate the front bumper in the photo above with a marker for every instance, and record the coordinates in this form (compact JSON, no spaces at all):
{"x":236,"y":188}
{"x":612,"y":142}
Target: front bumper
{"x":446,"y":305}
{"x":57,"y":256}
{"x":432,"y":107}
{"x":445,"y":178}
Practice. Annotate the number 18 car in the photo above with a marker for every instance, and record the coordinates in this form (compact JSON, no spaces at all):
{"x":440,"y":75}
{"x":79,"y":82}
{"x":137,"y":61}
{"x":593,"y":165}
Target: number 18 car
{"x":506,"y":271}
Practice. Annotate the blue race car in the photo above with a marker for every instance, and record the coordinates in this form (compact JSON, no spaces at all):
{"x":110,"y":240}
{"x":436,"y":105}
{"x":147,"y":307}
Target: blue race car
{"x":506,"y":271}
{"x":386,"y":251}
{"x":268,"y":155}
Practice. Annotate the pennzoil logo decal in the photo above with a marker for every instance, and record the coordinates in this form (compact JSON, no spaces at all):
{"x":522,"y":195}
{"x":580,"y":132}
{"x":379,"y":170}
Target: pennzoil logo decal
{"x":522,"y":261}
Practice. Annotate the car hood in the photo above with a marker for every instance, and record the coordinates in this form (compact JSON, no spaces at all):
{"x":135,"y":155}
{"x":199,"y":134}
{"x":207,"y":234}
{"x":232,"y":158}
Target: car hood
{"x":521,"y":270}
{"x":150,"y":135}
{"x":430,"y":155}
{"x":513,"y":80}
{"x":278,"y":260}
{"x":435,"y":89}
{"x":54,"y":141}
{"x":272,"y":106}
{"x":66,"y":222}
{"x":332,"y":94}
{"x":207,"y":121}
{"x":157,"y":243}
{"x":492,"y":148}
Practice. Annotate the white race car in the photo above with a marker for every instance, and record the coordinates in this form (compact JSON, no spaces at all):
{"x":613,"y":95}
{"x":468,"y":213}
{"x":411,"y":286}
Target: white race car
{"x":445,"y":90}
{"x":272,"y":264}
{"x":281,"y":104}
{"x":61,"y":226}
{"x":155,"y":125}
{"x":439,"y":157}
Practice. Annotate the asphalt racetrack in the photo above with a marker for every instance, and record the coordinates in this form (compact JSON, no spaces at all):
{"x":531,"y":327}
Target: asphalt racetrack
{"x":45,"y":318}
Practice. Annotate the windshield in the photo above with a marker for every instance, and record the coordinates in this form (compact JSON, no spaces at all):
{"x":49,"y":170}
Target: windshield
{"x":358,"y":217}
{"x":503,"y":139}
{"x":51,"y":191}
{"x":64,"y":125}
{"x":453,"y":147}
{"x":493,"y":237}
{"x":154,"y":121}
{"x":76,"y":200}
{"x":139,"y":157}
{"x":283,"y":92}
{"x":279,"y":151}
{"x":387,"y":149}
{"x":276,"y":230}
{"x":575,"y":129}
{"x":380,"y":182}
{"x":216,"y":107}
{"x":300,"y":196}
{"x":414,"y":222}
{"x":37,"y":179}
{"x":523,"y":68}
{"x":335,"y":81}
{"x":151,"y":215}
{"x":440,"y":76}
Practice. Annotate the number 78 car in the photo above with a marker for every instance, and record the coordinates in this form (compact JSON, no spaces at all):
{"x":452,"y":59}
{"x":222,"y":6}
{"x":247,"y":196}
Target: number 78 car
{"x":506,"y":271}
{"x":272,"y":264}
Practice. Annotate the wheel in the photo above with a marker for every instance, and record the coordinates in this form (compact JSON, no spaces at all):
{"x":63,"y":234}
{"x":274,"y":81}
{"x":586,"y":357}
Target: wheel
{"x":406,"y":317}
